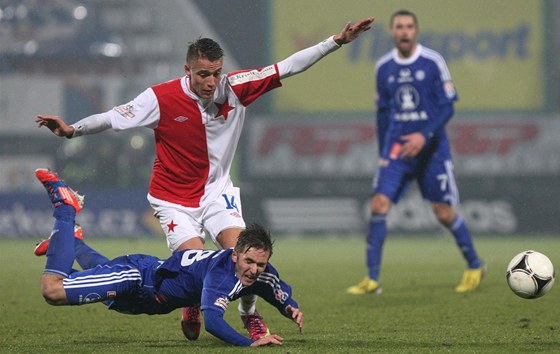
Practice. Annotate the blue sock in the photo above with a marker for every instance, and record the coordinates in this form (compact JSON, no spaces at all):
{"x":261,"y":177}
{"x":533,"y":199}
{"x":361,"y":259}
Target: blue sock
{"x":60,"y":254}
{"x":86,"y":256}
{"x":376,"y":238}
{"x":464,"y":240}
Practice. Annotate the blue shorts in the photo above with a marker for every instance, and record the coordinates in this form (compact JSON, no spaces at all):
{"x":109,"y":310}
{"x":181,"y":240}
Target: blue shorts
{"x":124,"y":284}
{"x":435,"y":179}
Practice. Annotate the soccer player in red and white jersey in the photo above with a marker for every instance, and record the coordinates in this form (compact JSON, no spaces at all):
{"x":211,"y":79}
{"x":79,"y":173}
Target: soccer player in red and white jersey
{"x":197,"y":121}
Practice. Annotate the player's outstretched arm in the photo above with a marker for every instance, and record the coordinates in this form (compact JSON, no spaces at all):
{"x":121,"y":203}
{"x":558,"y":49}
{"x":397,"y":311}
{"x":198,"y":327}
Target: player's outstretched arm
{"x":351,"y":32}
{"x":305,"y":58}
{"x":296,"y":315}
{"x":56,"y":125}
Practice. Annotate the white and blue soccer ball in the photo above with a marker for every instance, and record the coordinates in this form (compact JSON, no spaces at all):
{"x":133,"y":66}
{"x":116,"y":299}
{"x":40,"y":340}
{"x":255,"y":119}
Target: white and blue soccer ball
{"x":530,"y":274}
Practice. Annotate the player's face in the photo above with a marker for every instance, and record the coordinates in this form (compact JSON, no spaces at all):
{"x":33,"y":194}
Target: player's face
{"x":204,"y":75}
{"x":404,"y":32}
{"x":250,"y":264}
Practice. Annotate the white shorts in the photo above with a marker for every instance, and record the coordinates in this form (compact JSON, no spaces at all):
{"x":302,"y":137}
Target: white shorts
{"x":180,"y":223}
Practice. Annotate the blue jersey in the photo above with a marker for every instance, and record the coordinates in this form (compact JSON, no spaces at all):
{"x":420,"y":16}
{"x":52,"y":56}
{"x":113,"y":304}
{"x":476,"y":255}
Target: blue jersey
{"x":414,"y":93}
{"x":208,"y":278}
{"x":143,"y":284}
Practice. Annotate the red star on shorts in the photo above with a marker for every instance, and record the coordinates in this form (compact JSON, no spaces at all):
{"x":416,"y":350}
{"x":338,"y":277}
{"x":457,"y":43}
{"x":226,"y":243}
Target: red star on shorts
{"x":223,"y":109}
{"x":171,"y":226}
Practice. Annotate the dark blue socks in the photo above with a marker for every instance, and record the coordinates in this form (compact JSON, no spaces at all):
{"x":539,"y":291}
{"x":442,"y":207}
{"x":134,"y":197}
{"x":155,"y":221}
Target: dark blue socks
{"x":60,"y":254}
{"x":464,"y":240}
{"x":376,"y":238}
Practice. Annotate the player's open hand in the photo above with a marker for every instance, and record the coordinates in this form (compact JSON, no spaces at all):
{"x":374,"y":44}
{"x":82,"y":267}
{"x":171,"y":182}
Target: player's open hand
{"x":296,"y":315}
{"x":413,"y":143}
{"x":272,"y":339}
{"x":351,"y":32}
{"x":56,"y":125}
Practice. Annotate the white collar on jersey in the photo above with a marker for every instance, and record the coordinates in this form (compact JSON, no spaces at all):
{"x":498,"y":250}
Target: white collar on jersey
{"x":410,"y":60}
{"x":186,"y":88}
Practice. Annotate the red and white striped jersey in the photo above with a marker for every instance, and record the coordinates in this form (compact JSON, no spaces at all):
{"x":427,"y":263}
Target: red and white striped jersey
{"x":195,"y":139}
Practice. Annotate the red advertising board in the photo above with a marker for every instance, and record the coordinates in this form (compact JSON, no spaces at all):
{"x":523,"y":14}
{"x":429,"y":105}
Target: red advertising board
{"x":314,"y":175}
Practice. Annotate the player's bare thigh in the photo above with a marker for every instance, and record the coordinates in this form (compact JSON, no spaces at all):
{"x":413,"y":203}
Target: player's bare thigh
{"x":194,"y":243}
{"x":228,"y":237}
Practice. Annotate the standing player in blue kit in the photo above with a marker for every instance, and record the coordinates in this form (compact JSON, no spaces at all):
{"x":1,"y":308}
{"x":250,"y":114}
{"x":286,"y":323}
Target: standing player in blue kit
{"x":144,"y":284}
{"x":415,"y":102}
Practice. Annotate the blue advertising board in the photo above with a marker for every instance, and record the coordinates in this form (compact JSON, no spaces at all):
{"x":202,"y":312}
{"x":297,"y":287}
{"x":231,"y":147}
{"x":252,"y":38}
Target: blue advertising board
{"x":107,"y":213}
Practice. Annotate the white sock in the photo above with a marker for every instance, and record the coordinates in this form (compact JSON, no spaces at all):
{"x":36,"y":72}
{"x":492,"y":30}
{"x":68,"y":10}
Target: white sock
{"x":247,"y":305}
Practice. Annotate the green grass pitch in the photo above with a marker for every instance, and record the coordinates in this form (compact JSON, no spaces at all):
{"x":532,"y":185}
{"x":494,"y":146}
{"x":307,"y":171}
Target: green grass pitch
{"x":418,"y":311}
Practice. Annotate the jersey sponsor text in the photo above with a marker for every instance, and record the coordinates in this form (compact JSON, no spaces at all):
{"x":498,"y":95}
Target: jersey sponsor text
{"x":252,"y":75}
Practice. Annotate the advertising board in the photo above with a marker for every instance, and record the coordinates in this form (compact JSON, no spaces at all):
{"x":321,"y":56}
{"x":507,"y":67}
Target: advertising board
{"x":494,"y":50}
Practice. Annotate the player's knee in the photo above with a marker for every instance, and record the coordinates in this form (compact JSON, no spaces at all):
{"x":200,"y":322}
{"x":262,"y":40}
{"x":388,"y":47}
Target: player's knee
{"x":445,"y":214}
{"x":50,"y":295}
{"x":380,"y":204}
{"x":52,"y":291}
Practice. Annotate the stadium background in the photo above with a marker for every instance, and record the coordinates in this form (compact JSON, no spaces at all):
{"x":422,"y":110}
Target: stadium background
{"x":308,"y":150}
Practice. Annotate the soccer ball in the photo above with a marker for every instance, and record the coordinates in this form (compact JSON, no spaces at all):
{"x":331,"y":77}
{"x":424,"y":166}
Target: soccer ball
{"x":530,"y":274}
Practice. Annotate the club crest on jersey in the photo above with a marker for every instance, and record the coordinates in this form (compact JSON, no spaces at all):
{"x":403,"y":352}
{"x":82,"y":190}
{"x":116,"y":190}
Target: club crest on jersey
{"x":126,"y":110}
{"x":407,"y":97}
{"x":449,"y":89}
{"x":280,"y":295}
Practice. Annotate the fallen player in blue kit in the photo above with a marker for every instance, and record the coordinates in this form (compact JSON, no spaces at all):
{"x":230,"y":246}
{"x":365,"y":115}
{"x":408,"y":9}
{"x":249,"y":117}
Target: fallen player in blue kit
{"x":144,"y":284}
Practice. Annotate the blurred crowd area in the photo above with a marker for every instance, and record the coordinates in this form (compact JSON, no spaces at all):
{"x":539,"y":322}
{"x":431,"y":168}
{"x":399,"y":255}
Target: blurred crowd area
{"x":73,"y":59}
{"x":76,"y":58}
